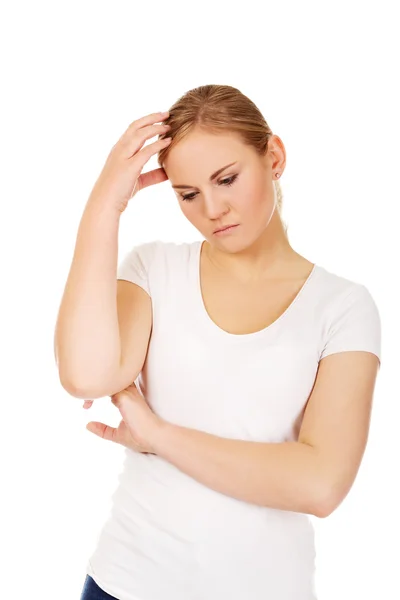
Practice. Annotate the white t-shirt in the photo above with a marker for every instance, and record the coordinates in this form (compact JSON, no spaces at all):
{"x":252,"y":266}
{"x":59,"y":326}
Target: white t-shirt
{"x":169,"y":537}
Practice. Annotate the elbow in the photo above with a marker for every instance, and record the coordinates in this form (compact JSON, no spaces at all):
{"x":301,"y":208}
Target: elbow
{"x":86,"y":391}
{"x":324,"y":504}
{"x":75,"y":391}
{"x":79,"y":391}
{"x":322,"y":511}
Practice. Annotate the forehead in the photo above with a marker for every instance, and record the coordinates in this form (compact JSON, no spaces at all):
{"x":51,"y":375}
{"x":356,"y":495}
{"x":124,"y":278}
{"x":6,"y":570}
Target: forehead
{"x":200,"y":153}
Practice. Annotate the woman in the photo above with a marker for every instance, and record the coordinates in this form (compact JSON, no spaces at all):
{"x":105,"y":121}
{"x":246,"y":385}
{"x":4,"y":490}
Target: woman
{"x":256,"y":367}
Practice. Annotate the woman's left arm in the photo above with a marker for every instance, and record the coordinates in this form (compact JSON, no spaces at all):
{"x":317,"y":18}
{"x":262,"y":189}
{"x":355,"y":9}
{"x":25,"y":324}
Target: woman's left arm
{"x":279,"y":475}
{"x":311,"y":475}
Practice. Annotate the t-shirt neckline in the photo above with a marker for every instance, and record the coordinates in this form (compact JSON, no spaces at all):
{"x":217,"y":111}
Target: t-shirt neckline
{"x":215,"y":329}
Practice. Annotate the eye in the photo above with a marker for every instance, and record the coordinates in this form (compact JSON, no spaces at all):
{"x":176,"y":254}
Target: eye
{"x":230,"y":180}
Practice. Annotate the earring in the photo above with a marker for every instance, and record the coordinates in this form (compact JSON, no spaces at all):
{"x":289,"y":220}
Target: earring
{"x":277,"y":175}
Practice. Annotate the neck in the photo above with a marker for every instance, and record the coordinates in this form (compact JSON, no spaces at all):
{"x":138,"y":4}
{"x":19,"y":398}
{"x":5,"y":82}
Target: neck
{"x":269,"y":257}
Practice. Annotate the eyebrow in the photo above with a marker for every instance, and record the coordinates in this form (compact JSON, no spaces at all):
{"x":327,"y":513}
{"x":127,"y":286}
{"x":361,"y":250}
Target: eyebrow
{"x":213,"y":176}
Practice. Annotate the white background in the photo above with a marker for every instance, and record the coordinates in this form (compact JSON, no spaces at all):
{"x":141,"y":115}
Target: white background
{"x":74,"y":75}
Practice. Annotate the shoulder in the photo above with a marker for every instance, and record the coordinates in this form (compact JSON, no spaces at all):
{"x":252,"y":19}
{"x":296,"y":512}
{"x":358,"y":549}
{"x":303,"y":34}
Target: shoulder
{"x":172,"y":251}
{"x":351,"y":315}
{"x":159,"y":247}
{"x":345,"y":303}
{"x":157,"y":256}
{"x":337,"y":289}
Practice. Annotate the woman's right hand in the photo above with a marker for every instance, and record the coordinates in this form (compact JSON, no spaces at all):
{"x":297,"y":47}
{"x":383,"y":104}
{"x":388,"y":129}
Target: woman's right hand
{"x":120,"y":178}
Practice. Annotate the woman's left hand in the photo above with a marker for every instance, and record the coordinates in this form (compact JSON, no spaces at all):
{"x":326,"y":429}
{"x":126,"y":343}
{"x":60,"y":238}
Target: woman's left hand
{"x":139,"y":423}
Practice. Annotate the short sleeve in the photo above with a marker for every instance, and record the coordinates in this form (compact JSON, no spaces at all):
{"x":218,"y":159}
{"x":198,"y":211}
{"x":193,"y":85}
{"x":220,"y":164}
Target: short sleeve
{"x":134,"y":266}
{"x":355,"y":326}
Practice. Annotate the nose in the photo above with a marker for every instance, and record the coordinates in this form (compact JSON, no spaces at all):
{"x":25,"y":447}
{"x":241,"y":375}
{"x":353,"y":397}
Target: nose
{"x":215,"y":207}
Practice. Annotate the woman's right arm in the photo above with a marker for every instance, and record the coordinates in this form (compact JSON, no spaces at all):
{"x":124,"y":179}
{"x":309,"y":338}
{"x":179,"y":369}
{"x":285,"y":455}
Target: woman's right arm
{"x":87,"y":341}
{"x":87,"y":338}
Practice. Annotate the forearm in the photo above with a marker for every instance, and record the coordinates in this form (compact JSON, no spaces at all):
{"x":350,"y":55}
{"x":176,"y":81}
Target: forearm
{"x":87,"y":339}
{"x":284,"y":476}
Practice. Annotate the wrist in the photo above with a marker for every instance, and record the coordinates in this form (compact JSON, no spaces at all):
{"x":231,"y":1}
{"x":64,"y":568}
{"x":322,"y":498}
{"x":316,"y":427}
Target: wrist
{"x":158,"y":433}
{"x":103,"y":204}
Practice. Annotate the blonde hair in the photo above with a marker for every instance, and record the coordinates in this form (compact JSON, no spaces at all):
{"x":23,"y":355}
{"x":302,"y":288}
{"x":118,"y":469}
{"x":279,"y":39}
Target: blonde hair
{"x":216,"y":108}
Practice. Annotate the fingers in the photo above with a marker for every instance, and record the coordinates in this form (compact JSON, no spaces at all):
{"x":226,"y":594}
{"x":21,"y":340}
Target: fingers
{"x":111,"y":434}
{"x":134,"y":142}
{"x":143,"y":129}
{"x":147,"y":152}
{"x":152,"y":178}
{"x":148,"y":120}
{"x":104,"y":431}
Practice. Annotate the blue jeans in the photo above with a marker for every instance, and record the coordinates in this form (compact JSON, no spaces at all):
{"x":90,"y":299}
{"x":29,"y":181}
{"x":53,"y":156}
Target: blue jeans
{"x":91,"y":591}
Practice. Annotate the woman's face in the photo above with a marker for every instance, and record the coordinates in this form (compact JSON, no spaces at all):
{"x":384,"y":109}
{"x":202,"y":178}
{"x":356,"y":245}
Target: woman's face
{"x":241,"y":193}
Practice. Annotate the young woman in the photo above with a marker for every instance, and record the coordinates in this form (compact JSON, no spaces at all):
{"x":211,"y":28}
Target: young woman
{"x":256,"y":367}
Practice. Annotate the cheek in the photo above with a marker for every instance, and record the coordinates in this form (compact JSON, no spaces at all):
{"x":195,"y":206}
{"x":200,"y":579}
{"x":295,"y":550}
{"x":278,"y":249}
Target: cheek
{"x":188,"y":210}
{"x":183,"y":206}
{"x":250,"y":199}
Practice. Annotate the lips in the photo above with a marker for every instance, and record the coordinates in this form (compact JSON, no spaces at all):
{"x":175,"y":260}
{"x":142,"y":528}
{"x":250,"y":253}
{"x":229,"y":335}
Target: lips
{"x":226,"y":227}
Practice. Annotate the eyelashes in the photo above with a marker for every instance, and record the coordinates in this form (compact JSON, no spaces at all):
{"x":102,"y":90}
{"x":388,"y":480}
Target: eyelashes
{"x":230,"y":180}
